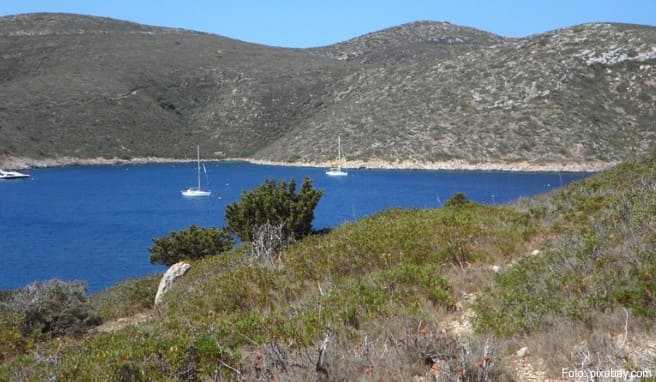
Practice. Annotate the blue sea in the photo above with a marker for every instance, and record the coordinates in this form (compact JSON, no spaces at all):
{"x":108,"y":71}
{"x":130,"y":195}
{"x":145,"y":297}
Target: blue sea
{"x":95,"y":224}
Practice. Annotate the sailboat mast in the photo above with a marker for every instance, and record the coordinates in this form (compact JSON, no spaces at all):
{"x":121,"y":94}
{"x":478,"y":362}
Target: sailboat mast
{"x":198,"y":172}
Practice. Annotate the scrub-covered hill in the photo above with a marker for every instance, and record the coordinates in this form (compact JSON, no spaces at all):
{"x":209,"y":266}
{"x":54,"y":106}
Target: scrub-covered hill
{"x":424,"y":93}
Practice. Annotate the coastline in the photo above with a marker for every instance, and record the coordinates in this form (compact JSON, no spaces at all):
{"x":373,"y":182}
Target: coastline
{"x":454,"y":165}
{"x":22,"y":163}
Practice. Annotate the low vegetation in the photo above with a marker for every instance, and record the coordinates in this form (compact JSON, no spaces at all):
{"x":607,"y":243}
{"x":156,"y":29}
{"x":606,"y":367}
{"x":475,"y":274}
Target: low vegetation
{"x":601,"y":256}
{"x":567,"y":274}
{"x":126,"y":298}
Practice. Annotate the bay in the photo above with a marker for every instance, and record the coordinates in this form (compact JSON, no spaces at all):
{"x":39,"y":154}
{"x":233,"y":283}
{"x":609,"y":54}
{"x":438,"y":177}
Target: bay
{"x":96,"y":223}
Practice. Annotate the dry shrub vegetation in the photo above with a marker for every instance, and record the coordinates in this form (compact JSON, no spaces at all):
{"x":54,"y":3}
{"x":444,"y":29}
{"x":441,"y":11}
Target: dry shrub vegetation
{"x":372,"y":300}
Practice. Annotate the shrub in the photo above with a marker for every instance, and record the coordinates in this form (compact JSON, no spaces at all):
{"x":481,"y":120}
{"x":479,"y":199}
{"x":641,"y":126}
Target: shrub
{"x":189,"y":244}
{"x":457,"y":200}
{"x":128,"y":372}
{"x":274,"y":203}
{"x":54,"y":308}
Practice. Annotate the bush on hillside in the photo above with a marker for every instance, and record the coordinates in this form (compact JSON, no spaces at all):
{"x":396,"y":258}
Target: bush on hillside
{"x":274,"y":203}
{"x":189,"y":244}
{"x":54,"y":308}
{"x":457,"y":200}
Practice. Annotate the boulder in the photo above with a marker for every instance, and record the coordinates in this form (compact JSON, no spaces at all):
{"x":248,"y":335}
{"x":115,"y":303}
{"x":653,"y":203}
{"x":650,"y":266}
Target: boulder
{"x":523,"y":352}
{"x":165,"y":284}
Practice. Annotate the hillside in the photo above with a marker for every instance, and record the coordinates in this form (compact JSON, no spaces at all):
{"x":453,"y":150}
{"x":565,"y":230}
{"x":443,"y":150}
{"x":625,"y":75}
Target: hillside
{"x":426,"y":92}
{"x":412,"y":42}
{"x":463,"y":292}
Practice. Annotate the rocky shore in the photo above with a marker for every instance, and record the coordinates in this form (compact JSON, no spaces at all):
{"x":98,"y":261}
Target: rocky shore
{"x":453,"y":165}
{"x":18,"y":163}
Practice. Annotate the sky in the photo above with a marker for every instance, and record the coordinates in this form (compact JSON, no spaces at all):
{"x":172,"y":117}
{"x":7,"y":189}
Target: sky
{"x":306,"y":23}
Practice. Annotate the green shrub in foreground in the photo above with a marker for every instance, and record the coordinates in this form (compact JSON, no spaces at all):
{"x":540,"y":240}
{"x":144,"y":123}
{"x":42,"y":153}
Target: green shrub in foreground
{"x":274,"y":203}
{"x":54,"y":308}
{"x":189,"y":244}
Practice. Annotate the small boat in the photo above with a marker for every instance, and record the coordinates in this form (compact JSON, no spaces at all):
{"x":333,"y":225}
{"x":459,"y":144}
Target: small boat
{"x":197,"y":191}
{"x":13,"y":175}
{"x":337,"y":170}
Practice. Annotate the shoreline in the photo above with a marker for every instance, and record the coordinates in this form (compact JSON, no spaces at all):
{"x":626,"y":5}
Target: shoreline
{"x":22,"y":163}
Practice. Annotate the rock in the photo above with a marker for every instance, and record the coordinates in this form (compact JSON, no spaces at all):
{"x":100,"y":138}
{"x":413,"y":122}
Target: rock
{"x":495,"y":268}
{"x":175,"y":271}
{"x":523,"y":352}
{"x":535,"y":252}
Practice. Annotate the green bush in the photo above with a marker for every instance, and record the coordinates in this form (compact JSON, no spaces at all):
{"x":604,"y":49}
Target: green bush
{"x":457,"y":200}
{"x":189,"y":244}
{"x":274,"y":203}
{"x":54,"y":308}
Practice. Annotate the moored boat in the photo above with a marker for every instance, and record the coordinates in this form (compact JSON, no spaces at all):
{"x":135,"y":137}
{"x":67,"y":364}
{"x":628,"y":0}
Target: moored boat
{"x":13,"y":175}
{"x":337,"y":169}
{"x":197,"y":191}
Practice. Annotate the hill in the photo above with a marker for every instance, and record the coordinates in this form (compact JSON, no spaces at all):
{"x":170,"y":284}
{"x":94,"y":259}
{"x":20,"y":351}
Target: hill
{"x":426,"y":92}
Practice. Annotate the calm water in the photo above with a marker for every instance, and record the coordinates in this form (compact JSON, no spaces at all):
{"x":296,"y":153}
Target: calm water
{"x":96,"y":224}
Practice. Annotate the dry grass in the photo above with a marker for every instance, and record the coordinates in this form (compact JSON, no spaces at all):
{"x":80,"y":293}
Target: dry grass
{"x":392,"y":350}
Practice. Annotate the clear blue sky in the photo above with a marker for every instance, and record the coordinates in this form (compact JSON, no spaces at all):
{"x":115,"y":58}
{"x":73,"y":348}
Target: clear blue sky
{"x":303,"y":23}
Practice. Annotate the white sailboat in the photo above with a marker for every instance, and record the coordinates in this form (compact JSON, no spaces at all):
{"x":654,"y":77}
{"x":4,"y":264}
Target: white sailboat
{"x":13,"y":175}
{"x":337,"y":170}
{"x":198,"y":191}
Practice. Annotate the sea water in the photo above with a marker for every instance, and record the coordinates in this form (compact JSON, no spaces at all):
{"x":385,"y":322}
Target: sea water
{"x":95,"y":224}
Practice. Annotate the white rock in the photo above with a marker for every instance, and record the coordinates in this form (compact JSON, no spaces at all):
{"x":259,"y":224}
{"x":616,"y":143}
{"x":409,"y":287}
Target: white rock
{"x":535,"y":252}
{"x":523,"y":352}
{"x":165,"y":284}
{"x":495,"y":268}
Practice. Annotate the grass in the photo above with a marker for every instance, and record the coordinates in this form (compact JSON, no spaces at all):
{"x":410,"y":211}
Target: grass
{"x":126,"y":298}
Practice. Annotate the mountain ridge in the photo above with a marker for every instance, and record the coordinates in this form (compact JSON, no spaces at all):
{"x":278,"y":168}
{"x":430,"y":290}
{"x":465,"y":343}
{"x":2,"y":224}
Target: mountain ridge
{"x":412,"y":93}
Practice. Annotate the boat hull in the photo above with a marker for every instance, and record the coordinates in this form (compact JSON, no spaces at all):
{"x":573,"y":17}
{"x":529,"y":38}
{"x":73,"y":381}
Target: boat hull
{"x":195,"y":193}
{"x":12,"y":175}
{"x":336,"y":173}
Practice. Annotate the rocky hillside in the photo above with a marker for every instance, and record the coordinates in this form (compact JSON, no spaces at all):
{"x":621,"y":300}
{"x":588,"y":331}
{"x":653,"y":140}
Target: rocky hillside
{"x":88,"y":87}
{"x":422,"y":40}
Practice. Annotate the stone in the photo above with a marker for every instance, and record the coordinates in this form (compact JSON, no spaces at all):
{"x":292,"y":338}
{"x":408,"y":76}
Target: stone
{"x":535,"y":252}
{"x":523,"y":352}
{"x":165,"y":284}
{"x":495,"y":268}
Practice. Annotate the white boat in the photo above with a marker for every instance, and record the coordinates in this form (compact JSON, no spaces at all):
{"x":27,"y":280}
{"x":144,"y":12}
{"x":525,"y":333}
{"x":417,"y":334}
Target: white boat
{"x":12,"y":175}
{"x":196,"y":191}
{"x":337,"y":170}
